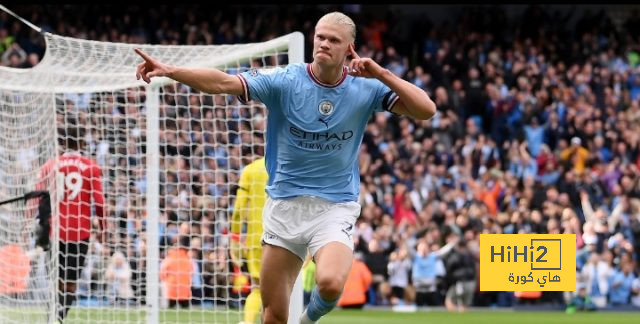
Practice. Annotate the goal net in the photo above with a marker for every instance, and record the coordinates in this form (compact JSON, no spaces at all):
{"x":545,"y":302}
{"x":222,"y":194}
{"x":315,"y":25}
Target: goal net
{"x":170,"y":158}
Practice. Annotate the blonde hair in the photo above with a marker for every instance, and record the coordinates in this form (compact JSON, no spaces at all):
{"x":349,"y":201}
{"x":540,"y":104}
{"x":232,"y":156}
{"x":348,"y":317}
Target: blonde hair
{"x":338,"y":18}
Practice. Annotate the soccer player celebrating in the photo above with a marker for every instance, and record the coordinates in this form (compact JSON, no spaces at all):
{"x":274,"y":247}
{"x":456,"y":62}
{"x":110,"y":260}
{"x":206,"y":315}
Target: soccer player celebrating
{"x":317,"y":116}
{"x":250,"y":200}
{"x":78,"y":183}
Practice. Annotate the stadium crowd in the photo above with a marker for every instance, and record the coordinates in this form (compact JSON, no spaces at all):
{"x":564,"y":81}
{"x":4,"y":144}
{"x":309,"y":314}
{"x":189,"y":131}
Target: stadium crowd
{"x":536,"y":132}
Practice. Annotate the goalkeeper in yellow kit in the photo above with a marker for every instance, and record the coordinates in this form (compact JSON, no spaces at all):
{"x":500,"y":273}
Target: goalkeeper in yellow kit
{"x":250,"y":200}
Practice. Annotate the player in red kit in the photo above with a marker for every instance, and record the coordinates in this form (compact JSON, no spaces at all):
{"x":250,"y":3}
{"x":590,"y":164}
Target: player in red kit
{"x":78,"y":181}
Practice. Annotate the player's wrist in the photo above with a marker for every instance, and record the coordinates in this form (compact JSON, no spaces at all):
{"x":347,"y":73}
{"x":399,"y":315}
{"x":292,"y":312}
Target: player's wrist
{"x":171,"y":70}
{"x":383,"y":74}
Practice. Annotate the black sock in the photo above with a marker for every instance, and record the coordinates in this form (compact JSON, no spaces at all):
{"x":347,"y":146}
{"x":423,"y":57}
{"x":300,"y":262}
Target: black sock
{"x":61,"y":303}
{"x":65,"y":300}
{"x":71,"y":297}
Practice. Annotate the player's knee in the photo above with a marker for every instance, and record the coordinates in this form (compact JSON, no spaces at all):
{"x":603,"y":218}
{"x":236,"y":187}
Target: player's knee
{"x":330,"y":287}
{"x":271,"y":315}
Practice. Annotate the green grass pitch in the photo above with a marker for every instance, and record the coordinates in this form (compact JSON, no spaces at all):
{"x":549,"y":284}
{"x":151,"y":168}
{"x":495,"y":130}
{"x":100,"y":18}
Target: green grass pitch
{"x":80,"y":315}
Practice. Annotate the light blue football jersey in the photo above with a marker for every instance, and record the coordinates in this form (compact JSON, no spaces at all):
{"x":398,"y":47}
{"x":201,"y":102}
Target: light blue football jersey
{"x":314,"y":130}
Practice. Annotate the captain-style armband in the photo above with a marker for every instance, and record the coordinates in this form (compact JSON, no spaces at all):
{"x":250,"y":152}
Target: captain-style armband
{"x":389,"y":101}
{"x":244,"y":98}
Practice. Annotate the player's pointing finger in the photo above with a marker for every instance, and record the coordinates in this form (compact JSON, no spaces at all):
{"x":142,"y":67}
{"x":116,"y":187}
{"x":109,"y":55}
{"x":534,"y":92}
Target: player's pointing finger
{"x":143,"y":54}
{"x":352,"y":48}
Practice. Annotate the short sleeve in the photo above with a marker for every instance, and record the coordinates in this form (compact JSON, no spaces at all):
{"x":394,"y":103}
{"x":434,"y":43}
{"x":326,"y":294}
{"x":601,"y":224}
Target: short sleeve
{"x":384,"y":99}
{"x":261,"y":84}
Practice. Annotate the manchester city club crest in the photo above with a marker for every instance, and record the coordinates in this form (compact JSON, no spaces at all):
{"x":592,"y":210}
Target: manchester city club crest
{"x":325,"y":108}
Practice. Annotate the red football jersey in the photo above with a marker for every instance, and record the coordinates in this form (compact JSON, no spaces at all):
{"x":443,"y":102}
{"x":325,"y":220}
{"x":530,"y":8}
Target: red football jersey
{"x":78,"y":181}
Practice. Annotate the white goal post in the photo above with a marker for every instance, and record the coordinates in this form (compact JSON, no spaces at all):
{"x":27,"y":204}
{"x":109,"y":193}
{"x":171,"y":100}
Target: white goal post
{"x":170,"y":158}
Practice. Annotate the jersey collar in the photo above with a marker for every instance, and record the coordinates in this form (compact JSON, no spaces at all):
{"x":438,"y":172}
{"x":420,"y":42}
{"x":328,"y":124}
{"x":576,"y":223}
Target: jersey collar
{"x":316,"y":80}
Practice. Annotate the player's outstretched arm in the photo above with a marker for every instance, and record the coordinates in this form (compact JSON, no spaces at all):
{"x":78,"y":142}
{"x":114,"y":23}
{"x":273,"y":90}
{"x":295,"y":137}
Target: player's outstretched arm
{"x":207,"y":80}
{"x":413,"y":101}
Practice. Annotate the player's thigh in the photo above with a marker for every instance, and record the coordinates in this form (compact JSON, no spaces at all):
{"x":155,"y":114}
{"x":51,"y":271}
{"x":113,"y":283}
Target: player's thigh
{"x":333,"y":263}
{"x":332,"y":243}
{"x":71,"y":260}
{"x":254,"y":260}
{"x":280,"y":268}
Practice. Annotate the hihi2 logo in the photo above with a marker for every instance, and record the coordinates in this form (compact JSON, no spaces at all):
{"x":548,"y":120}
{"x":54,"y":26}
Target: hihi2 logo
{"x":527,"y":262}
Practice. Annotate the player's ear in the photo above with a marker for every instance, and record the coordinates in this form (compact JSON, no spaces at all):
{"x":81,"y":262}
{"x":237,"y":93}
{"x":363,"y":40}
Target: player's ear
{"x":351,"y":45}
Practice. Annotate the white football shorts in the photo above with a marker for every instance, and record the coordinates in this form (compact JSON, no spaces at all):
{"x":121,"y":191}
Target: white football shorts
{"x":308,"y":222}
